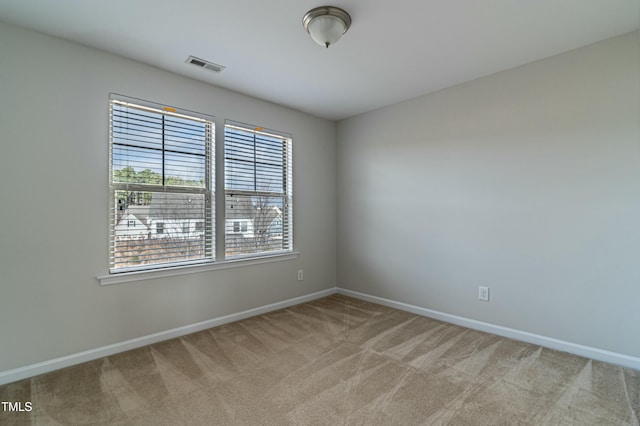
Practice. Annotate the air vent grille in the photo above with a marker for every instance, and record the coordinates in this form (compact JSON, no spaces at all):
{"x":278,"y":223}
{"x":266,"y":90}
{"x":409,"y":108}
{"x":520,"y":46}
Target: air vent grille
{"x":201,"y":63}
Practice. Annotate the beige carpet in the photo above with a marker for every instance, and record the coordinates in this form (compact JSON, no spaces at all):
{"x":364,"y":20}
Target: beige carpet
{"x":334,"y":361}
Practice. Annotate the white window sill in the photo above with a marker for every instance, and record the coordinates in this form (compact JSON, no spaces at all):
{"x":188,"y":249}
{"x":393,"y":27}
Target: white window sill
{"x":124,"y":277}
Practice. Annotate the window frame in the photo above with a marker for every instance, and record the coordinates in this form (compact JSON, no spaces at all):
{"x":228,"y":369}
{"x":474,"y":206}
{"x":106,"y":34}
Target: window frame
{"x":214,"y":223}
{"x":207,"y":191}
{"x":286,"y":194}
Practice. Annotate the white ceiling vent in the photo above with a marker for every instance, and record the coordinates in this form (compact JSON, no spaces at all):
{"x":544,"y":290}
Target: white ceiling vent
{"x":204,"y":64}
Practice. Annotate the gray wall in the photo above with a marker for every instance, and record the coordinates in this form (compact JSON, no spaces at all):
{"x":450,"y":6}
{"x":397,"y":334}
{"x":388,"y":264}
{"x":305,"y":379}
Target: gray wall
{"x":53,"y":192}
{"x":527,"y":181}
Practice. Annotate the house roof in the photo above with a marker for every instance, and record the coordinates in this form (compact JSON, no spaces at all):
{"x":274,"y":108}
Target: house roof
{"x":140,"y":212}
{"x":176,"y":205}
{"x":239,"y":208}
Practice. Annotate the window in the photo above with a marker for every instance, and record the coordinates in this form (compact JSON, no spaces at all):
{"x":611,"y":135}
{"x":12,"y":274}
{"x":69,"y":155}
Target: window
{"x":239,"y":226}
{"x":258,"y":191}
{"x":161,"y":169}
{"x":162,"y":191}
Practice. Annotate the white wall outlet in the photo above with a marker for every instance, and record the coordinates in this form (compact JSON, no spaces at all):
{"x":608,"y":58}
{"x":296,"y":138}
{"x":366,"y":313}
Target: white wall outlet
{"x":300,"y":275}
{"x":483,"y":293}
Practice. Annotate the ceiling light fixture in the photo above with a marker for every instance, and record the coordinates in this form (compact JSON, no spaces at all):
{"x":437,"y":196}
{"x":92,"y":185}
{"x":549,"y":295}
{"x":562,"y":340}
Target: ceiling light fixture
{"x":326,"y":24}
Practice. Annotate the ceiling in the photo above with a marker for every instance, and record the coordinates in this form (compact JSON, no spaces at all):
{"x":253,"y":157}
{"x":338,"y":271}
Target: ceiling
{"x":394,"y":50}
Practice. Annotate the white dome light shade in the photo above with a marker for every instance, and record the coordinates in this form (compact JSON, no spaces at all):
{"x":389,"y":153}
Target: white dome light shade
{"x":326,"y":24}
{"x":326,"y":30}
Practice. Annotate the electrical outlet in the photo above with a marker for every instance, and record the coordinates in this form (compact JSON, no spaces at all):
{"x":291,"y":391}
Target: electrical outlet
{"x":300,"y":275}
{"x":483,"y":293}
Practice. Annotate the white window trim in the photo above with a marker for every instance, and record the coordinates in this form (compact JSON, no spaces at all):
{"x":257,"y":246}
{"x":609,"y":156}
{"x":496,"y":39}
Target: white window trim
{"x":287,"y":195}
{"x":208,"y":191}
{"x":170,"y":271}
{"x":157,"y":271}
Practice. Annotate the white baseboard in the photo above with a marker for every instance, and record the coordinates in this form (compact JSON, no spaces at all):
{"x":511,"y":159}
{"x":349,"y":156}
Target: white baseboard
{"x":20,"y":373}
{"x":561,"y":345}
{"x":92,"y":354}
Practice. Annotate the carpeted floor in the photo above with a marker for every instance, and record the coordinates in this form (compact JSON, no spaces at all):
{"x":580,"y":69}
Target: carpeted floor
{"x":334,"y":361}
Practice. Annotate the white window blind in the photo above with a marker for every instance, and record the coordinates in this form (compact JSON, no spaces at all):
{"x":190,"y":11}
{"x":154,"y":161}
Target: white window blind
{"x":161,"y":186}
{"x":258,"y":191}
